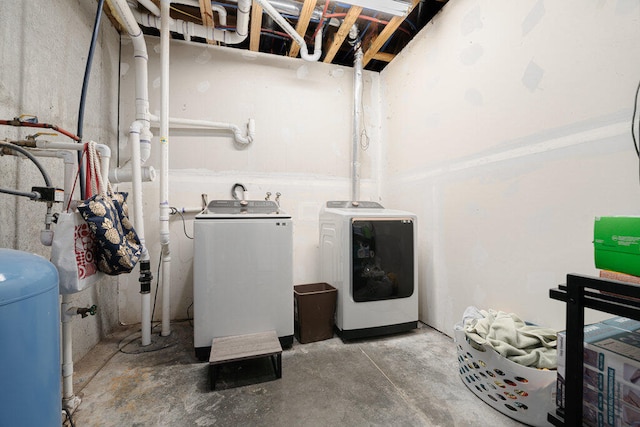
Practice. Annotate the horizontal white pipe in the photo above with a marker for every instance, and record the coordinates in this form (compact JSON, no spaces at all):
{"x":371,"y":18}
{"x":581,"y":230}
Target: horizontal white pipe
{"x":104,"y":150}
{"x":124,"y":174}
{"x":190,"y":29}
{"x":239,"y":138}
{"x":187,"y":209}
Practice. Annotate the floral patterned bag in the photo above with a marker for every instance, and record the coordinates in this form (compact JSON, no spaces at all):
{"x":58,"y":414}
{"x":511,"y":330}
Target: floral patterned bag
{"x":118,"y":247}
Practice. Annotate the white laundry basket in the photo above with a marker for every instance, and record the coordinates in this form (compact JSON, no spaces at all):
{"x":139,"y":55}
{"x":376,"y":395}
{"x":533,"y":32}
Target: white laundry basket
{"x":522,"y":393}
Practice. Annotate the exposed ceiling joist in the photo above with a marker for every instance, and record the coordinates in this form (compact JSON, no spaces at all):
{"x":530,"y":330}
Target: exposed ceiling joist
{"x":342,"y":33}
{"x":256,"y":27}
{"x":385,"y":34}
{"x":207,"y":16}
{"x":303,"y":24}
{"x":375,"y":30}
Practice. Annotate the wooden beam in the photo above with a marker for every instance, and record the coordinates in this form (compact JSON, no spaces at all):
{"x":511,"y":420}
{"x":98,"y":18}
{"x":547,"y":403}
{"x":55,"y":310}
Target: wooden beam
{"x":207,"y":16}
{"x":342,"y":33}
{"x":256,"y":26}
{"x":385,"y":34}
{"x":303,"y":24}
{"x":384,"y":57}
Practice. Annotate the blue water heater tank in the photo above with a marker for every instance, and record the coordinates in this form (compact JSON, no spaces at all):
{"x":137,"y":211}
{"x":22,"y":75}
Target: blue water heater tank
{"x":30,"y":341}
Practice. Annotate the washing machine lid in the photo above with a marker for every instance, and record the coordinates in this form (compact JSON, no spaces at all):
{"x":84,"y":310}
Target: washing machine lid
{"x":361,"y":209}
{"x":341,"y":204}
{"x":242,"y":209}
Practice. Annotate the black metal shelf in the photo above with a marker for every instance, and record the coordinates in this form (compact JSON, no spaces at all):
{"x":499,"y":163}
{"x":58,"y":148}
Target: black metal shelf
{"x":580,"y":292}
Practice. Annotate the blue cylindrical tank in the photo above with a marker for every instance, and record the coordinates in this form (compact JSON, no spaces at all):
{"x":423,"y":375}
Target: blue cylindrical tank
{"x":29,"y":341}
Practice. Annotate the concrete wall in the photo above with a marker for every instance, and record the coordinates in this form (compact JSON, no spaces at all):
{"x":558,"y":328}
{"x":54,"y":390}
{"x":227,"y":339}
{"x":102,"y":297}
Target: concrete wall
{"x":507,"y":130}
{"x":302,"y":149}
{"x":44,"y":52}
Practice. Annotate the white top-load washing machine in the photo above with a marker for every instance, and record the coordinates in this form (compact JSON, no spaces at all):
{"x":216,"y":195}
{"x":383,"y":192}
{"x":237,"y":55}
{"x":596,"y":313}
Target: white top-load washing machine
{"x":368,"y":253}
{"x":242,"y":272}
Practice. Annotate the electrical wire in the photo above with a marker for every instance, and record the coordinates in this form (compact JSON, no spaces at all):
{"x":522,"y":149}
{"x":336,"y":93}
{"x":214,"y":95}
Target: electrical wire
{"x":633,"y":122}
{"x":174,"y":211}
{"x":68,"y":412}
{"x":157,"y":285}
{"x":85,"y":85}
{"x":189,"y":318}
{"x":44,"y":173}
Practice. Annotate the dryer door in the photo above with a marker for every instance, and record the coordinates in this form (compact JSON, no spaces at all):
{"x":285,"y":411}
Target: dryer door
{"x":381,"y":258}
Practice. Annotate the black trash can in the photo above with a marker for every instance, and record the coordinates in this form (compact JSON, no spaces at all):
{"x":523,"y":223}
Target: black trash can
{"x":314,"y":310}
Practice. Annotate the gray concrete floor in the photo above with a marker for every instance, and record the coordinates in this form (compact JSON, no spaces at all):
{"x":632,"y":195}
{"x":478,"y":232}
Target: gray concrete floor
{"x":408,"y":379}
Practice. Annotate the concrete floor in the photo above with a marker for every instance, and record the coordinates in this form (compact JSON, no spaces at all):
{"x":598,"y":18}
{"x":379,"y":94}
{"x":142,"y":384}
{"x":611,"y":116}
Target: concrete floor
{"x":409,"y":379}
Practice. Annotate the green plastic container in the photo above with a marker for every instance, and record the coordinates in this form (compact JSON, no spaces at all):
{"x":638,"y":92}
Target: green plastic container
{"x":616,"y":242}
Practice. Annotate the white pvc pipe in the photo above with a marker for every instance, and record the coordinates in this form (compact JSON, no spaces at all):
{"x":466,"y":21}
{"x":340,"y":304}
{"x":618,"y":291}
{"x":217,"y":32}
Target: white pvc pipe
{"x":135,"y":131}
{"x":219,"y":9}
{"x":124,"y":174}
{"x":304,"y":53}
{"x":357,"y":107}
{"x":164,"y":171}
{"x":69,"y":400}
{"x":188,"y":209}
{"x":127,"y":19}
{"x":151,"y":6}
{"x":190,"y":29}
{"x":138,"y":133}
{"x":62,"y":150}
{"x":237,"y":134}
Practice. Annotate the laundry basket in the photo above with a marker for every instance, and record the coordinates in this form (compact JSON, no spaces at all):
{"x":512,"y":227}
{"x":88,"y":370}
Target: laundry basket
{"x":522,"y":393}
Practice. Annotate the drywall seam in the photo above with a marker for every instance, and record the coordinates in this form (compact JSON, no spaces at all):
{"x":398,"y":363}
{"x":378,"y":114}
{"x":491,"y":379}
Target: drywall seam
{"x":544,"y":146}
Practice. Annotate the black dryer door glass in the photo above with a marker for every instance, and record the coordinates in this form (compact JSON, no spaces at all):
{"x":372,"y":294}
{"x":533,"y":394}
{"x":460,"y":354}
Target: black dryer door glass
{"x":382,"y":259}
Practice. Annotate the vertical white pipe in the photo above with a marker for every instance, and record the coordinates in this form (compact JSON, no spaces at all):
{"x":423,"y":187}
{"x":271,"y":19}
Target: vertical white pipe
{"x":357,"y":105}
{"x":164,"y":172}
{"x":139,"y":131}
{"x":135,"y":130}
{"x":69,"y":401}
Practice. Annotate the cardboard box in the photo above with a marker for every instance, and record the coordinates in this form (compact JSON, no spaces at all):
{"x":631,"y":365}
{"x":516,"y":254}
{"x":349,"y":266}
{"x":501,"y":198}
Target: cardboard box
{"x":616,"y":242}
{"x":623,"y":323}
{"x":611,"y":374}
{"x":620,"y":277}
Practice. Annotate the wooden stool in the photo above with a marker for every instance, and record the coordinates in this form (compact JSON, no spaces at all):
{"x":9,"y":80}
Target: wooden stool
{"x":244,"y":347}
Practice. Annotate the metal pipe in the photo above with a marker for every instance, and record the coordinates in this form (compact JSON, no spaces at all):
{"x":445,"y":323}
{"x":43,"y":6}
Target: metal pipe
{"x":357,"y":111}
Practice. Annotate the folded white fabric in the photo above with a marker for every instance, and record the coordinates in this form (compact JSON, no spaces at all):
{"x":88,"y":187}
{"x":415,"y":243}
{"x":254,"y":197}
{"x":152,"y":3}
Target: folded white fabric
{"x":506,"y":333}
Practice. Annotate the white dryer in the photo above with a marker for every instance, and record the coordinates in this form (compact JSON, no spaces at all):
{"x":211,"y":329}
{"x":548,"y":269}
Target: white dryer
{"x":368,"y":253}
{"x":242,"y":272}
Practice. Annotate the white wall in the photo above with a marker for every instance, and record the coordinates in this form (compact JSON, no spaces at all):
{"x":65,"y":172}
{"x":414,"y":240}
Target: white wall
{"x":44,"y":51}
{"x":506,"y":127}
{"x":303,"y":114}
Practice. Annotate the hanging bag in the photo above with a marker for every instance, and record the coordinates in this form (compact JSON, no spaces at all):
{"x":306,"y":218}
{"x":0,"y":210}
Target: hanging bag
{"x":118,"y":247}
{"x":73,"y":252}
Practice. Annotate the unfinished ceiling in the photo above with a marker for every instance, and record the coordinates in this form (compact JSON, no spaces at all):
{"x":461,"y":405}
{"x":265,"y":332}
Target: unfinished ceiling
{"x":382,"y":35}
